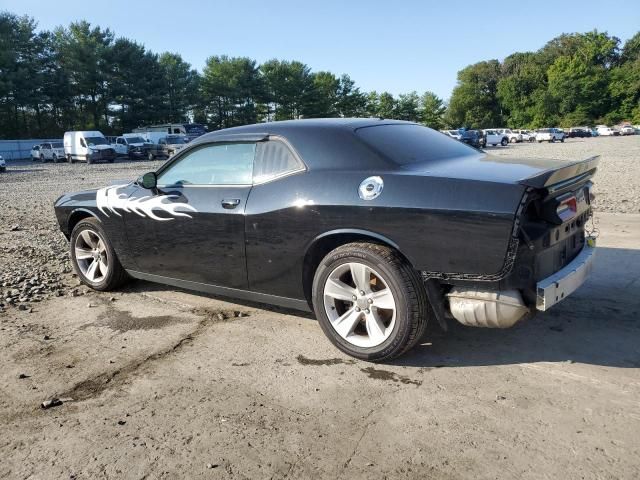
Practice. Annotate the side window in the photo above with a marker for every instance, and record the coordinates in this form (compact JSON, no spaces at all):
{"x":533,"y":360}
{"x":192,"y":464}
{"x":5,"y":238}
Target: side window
{"x":222,"y":164}
{"x":274,"y":159}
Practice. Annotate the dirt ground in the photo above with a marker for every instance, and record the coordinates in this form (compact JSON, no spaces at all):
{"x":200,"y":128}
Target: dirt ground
{"x":161,"y":383}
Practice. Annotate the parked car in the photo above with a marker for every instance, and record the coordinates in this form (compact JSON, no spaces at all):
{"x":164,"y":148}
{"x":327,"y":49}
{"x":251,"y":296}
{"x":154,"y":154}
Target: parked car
{"x":35,"y":152}
{"x":53,"y":151}
{"x":3,"y":165}
{"x":605,"y":131}
{"x":493,"y":137}
{"x":549,"y":135}
{"x":90,"y":146}
{"x":166,"y":146}
{"x":579,"y":132}
{"x":453,"y":134}
{"x":514,"y":137}
{"x":131,"y":146}
{"x":475,"y":138}
{"x":527,"y":135}
{"x":627,"y":130}
{"x":379,"y":226}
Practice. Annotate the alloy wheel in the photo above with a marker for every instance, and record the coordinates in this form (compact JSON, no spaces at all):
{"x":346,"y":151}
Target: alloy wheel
{"x":359,"y":304}
{"x":91,"y":256}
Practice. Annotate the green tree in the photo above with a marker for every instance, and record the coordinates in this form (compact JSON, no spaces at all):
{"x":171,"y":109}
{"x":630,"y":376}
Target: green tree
{"x":474,"y":101}
{"x":351,"y":102}
{"x":180,"y":85}
{"x":289,"y":88}
{"x":432,"y":110}
{"x":408,"y":107}
{"x":231,"y":89}
{"x":322,"y":100}
{"x":83,"y":56}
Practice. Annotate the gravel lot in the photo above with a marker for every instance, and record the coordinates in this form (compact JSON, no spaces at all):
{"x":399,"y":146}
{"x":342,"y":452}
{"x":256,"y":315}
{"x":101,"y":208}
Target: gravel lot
{"x":160,"y":383}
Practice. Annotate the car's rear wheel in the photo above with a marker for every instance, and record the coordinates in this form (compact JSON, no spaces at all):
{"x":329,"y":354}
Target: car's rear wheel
{"x":93,"y":257}
{"x":69,"y":158}
{"x":55,"y":158}
{"x":369,"y":301}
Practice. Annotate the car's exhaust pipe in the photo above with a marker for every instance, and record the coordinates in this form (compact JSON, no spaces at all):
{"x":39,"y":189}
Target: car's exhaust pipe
{"x":486,"y":308}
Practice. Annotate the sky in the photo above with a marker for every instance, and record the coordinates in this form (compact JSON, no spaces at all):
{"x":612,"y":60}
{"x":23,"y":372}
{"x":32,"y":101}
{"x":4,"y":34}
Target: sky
{"x":391,"y":45}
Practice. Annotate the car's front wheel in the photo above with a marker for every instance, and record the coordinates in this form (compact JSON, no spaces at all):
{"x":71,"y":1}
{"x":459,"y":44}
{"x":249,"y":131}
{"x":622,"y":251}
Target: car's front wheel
{"x":93,"y":257}
{"x":369,"y":301}
{"x":504,"y":142}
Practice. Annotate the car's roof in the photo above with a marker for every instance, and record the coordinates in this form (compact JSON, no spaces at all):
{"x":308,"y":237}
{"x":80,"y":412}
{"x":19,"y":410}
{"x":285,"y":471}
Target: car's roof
{"x":309,"y":123}
{"x":326,"y":143}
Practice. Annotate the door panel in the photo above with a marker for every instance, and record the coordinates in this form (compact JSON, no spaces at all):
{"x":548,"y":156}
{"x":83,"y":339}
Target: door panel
{"x":203,"y":242}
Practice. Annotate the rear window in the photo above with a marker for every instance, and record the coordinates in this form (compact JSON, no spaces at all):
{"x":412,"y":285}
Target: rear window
{"x":407,"y":143}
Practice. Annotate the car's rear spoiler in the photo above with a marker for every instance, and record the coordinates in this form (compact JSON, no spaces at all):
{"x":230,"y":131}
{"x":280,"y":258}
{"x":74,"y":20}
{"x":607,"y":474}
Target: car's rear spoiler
{"x":563,"y":175}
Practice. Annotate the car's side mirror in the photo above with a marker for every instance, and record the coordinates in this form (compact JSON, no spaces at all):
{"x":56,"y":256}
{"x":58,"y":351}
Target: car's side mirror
{"x":148,"y":180}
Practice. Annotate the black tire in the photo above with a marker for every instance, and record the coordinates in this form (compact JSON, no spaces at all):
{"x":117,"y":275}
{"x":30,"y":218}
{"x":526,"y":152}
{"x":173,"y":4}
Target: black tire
{"x":116,"y":275}
{"x":42,"y":159}
{"x":494,"y":144}
{"x":3,"y":169}
{"x":412,"y":308}
{"x":55,"y":158}
{"x":504,"y":142}
{"x":562,"y":140}
{"x":151,"y":156}
{"x":552,"y":140}
{"x":111,"y":160}
{"x":89,"y":159}
{"x":532,"y":139}
{"x":70,"y":158}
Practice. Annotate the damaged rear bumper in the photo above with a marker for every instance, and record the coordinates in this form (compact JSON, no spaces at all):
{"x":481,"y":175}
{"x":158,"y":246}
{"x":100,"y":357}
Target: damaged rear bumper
{"x":564,"y":282}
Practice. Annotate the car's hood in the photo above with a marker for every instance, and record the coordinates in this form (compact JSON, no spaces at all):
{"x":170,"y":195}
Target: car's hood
{"x":533,"y":172}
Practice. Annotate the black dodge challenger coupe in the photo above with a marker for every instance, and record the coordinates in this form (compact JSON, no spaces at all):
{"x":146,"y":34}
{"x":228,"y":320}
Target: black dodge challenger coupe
{"x":376,"y":225}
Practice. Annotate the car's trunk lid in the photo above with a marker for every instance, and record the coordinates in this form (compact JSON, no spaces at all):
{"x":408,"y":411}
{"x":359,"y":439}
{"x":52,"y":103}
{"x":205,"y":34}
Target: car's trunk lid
{"x":529,"y":172}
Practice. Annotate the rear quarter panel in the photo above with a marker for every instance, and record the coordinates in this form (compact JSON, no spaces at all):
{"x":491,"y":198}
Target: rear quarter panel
{"x":439,"y":224}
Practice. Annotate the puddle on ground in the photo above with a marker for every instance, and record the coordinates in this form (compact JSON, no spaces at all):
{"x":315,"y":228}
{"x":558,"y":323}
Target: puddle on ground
{"x":389,"y":376}
{"x":329,"y":361}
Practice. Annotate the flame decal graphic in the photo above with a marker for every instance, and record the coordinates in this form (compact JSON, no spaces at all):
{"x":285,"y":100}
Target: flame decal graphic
{"x":109,"y":200}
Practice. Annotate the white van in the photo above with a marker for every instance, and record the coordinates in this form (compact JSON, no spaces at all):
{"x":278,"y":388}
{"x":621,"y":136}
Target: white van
{"x":89,"y":146}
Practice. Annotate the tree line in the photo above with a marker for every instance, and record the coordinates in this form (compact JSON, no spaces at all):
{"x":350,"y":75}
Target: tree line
{"x":84,"y":77}
{"x":575,"y":79}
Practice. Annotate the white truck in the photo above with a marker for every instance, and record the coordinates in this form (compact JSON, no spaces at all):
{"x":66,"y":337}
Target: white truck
{"x":131,"y":145}
{"x":90,"y":146}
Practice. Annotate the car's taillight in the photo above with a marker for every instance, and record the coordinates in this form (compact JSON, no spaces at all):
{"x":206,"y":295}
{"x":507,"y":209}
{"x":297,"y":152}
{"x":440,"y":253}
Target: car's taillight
{"x":567,"y":209}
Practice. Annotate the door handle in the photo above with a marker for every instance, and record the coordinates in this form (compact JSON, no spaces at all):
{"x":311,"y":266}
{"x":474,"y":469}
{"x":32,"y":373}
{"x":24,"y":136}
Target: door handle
{"x":230,"y":203}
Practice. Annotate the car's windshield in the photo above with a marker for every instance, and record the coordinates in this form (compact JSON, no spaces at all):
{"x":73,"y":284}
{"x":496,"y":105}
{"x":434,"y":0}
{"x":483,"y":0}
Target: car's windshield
{"x":409,"y":143}
{"x":175,"y":140}
{"x":96,"y":141}
{"x":56,"y":145}
{"x":135,"y":139}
